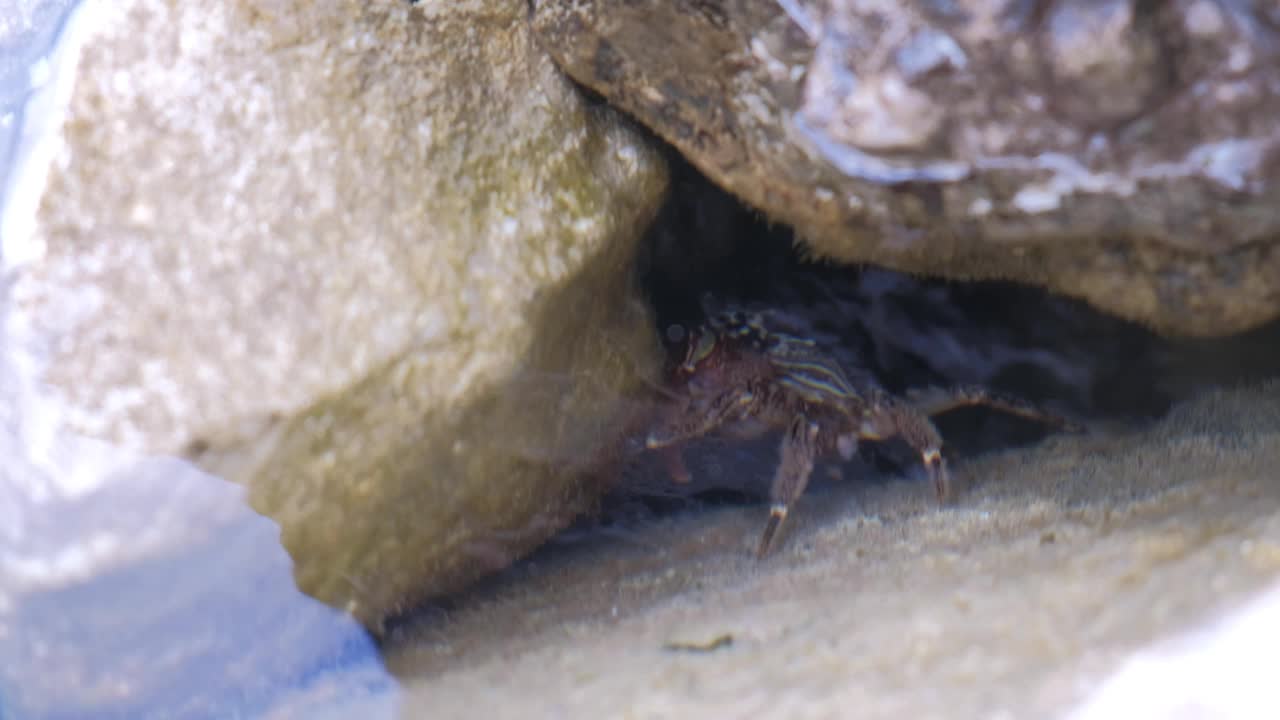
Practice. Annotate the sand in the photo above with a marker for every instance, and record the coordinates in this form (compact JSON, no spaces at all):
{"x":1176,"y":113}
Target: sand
{"x":1020,"y":600}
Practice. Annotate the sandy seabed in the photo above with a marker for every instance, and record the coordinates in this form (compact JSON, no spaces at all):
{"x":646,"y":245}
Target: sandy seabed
{"x":1043,"y":580}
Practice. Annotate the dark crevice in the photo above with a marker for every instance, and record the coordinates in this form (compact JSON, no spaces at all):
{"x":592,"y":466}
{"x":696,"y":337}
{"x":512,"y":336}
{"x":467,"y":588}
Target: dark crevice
{"x":706,"y":251}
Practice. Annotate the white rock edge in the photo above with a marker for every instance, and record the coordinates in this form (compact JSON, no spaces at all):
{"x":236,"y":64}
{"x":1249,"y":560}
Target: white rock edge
{"x":1224,"y":670}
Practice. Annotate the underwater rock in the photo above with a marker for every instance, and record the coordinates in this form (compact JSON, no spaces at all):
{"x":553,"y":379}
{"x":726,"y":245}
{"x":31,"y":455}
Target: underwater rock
{"x":321,"y":250}
{"x":1119,"y":152}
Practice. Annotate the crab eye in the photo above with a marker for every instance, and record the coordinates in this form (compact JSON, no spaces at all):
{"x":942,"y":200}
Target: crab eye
{"x":699,"y":350}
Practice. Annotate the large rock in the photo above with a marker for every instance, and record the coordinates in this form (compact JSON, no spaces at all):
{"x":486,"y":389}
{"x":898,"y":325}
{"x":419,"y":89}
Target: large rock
{"x":1117,"y":151}
{"x":373,"y":262}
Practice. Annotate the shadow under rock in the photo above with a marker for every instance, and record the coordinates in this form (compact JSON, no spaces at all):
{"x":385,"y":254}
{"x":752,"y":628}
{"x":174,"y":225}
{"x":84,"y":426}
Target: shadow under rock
{"x":707,"y":252}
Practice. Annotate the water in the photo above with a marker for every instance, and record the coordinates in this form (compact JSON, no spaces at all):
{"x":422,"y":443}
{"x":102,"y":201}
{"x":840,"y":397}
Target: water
{"x":133,"y":586}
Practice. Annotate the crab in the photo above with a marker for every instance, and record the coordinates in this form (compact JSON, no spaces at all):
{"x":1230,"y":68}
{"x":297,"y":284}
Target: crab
{"x":740,"y":375}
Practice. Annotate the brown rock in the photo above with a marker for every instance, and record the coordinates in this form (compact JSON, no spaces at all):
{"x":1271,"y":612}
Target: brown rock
{"x":1115,"y":151}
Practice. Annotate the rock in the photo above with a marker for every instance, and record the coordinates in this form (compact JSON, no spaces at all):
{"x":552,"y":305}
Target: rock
{"x":371,"y":262}
{"x":1119,"y":152}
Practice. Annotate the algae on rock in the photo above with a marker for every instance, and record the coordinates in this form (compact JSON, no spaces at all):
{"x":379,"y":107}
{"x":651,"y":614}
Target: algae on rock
{"x":316,"y":248}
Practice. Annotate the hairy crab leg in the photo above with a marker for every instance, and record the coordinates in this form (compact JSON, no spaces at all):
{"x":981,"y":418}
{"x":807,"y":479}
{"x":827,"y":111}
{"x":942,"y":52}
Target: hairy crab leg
{"x":692,"y":419}
{"x":886,"y":419}
{"x":799,"y":448}
{"x":936,"y":401}
{"x":673,"y":461}
{"x":696,"y":417}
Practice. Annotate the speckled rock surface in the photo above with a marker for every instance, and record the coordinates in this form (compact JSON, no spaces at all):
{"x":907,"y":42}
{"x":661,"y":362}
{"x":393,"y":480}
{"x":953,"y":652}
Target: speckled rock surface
{"x":1021,"y":600}
{"x":322,"y":249}
{"x":1120,"y":152}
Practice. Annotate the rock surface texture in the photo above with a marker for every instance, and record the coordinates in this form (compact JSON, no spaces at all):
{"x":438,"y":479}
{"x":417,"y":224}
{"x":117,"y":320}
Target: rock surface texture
{"x":1118,"y":151}
{"x":348,"y":255}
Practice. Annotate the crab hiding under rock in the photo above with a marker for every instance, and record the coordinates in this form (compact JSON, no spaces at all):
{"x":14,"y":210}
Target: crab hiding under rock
{"x":743,"y":373}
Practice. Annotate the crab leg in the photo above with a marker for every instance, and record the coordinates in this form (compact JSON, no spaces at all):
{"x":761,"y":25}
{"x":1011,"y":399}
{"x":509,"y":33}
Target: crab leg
{"x":692,"y":419}
{"x":799,"y":448}
{"x":936,"y":401}
{"x":673,"y":461}
{"x":696,"y":417}
{"x":886,"y":419}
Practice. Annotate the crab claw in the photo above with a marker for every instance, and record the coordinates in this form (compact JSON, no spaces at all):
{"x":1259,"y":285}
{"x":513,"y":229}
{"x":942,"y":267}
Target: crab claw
{"x":847,"y":446}
{"x":673,"y":459}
